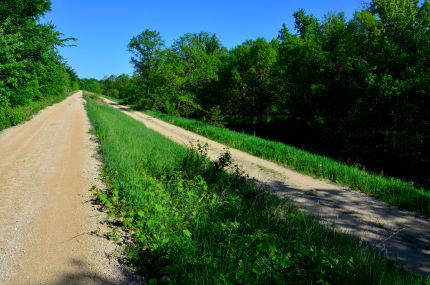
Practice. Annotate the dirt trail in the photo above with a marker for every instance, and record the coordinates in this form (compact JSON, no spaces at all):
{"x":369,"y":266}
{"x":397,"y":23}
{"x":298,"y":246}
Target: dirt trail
{"x":47,"y":166}
{"x":400,"y":235}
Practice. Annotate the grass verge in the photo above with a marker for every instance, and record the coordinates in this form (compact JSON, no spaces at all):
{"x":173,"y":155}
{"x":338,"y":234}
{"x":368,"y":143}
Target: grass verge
{"x":13,"y":116}
{"x":391,"y":190}
{"x":192,"y":223}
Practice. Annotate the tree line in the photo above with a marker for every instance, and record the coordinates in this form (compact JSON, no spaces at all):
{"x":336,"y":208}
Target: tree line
{"x":355,"y":89}
{"x":31,"y":68}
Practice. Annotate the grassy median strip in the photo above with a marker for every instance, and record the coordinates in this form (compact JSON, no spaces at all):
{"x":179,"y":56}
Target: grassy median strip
{"x":192,"y":223}
{"x":393,"y":191}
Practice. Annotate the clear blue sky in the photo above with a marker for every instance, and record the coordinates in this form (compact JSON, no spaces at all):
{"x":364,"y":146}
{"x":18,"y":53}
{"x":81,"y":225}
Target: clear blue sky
{"x":104,"y":28}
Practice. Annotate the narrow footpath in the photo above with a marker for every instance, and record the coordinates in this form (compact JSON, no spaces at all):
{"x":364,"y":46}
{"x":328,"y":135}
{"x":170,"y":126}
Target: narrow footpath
{"x":401,"y":236}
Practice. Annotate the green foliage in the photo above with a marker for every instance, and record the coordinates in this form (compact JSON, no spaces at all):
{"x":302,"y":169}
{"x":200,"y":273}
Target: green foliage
{"x":215,"y":117}
{"x":393,"y":191}
{"x":116,"y":86}
{"x":307,"y":26}
{"x":14,"y":116}
{"x":146,"y":49}
{"x":32,"y":73}
{"x":192,"y":223}
{"x":199,"y":58}
{"x":352,"y":89}
{"x":174,"y":79}
{"x":91,"y":85}
{"x":250,"y":91}
{"x":22,"y":10}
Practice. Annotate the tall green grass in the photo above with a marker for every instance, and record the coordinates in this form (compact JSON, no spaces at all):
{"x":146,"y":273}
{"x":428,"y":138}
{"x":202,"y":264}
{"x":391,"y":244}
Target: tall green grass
{"x":192,"y":223}
{"x":391,"y":190}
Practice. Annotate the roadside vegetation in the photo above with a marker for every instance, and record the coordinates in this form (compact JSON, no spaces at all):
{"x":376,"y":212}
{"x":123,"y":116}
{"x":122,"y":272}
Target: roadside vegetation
{"x":11,"y":116}
{"x":351,"y":87}
{"x":391,"y":190}
{"x":33,"y":75}
{"x":193,"y":223}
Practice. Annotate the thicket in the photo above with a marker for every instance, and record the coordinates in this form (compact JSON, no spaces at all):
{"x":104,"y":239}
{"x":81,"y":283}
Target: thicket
{"x":355,"y":89}
{"x":90,"y":84}
{"x":192,"y":223}
{"x":32,"y":73}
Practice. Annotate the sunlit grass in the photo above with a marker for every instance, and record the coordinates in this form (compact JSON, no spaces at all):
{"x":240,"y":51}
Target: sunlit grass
{"x":195,"y":224}
{"x":391,"y":190}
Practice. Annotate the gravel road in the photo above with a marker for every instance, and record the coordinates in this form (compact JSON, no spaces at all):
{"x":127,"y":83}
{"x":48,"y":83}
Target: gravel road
{"x":47,"y":166}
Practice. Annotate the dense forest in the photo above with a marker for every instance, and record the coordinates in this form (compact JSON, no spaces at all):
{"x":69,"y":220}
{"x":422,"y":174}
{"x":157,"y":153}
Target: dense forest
{"x":355,"y":89}
{"x":32,"y":72}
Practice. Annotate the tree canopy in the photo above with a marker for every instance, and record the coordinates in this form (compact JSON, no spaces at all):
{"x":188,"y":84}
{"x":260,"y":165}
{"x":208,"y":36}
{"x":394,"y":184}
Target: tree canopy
{"x":30,"y":65}
{"x":355,"y":89}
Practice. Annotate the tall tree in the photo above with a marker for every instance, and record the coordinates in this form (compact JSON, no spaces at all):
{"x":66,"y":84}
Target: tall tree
{"x":355,"y":89}
{"x":198,"y":58}
{"x":146,"y":49}
{"x":31,"y":68}
{"x":23,"y":10}
{"x":250,"y":94}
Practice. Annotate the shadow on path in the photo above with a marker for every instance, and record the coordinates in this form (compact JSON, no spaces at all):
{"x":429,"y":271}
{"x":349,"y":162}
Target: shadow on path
{"x":397,"y":234}
{"x":82,"y":275}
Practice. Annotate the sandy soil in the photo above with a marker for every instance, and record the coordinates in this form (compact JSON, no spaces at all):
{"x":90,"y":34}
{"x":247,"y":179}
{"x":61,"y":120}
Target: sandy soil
{"x":400,"y":235}
{"x":47,"y":166}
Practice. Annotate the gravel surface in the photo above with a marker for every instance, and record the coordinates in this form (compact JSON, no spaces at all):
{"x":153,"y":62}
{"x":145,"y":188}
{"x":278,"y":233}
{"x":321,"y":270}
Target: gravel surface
{"x":47,"y":220}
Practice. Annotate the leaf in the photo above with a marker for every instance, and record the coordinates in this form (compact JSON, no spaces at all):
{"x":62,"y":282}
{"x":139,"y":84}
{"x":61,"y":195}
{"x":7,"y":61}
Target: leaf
{"x":186,"y":233}
{"x":102,"y":197}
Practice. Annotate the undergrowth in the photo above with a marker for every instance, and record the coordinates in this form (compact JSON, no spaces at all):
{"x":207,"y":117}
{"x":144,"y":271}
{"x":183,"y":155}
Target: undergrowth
{"x":193,"y":223}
